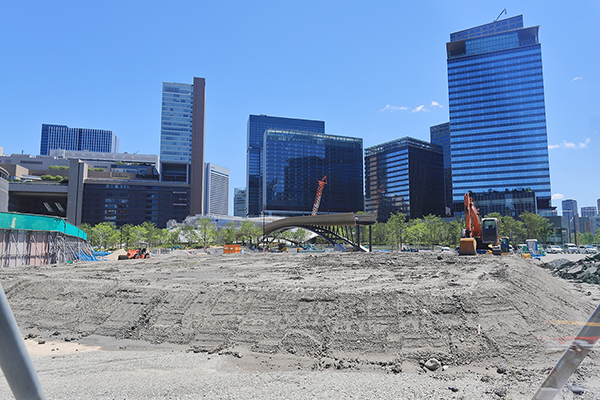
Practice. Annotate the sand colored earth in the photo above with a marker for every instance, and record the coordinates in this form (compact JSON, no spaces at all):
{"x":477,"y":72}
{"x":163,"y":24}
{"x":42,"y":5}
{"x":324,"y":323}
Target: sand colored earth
{"x":333,"y":315}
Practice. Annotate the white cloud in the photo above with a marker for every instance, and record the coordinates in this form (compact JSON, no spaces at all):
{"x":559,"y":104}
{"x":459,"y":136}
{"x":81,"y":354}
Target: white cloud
{"x":558,"y":196}
{"x":394,"y":108}
{"x":436,"y":104}
{"x":421,"y":108}
{"x":570,"y":145}
{"x":576,"y":78}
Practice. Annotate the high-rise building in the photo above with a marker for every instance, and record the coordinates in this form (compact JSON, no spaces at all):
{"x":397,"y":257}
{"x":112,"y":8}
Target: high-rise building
{"x":216,"y":192}
{"x":404,"y":175}
{"x":55,"y":137}
{"x":295,"y":161}
{"x":571,"y":212}
{"x":239,"y":202}
{"x":182,"y":137}
{"x":498,"y":137}
{"x":569,"y":208}
{"x":440,"y":134}
{"x":590,"y":211}
{"x":257,"y":125}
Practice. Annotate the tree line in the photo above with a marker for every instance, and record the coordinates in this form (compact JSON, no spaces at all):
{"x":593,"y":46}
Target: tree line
{"x":432,"y":230}
{"x":397,"y":231}
{"x":202,"y":234}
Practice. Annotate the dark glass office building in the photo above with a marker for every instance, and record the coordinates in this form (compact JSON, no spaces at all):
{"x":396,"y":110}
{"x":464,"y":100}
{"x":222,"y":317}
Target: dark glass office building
{"x":257,"y":124}
{"x":498,"y":135}
{"x":61,"y":137}
{"x":134,"y":203}
{"x":295,"y":161}
{"x":508,"y":203}
{"x":404,"y":175}
{"x":440,"y":134}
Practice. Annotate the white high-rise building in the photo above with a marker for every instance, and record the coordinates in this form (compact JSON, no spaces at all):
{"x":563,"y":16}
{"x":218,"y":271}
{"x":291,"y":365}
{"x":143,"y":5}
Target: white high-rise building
{"x":216,"y":191}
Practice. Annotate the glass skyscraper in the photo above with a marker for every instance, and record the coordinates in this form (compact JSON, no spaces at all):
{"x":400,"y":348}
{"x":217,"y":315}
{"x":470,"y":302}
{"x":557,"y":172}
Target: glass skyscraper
{"x":498,"y":138}
{"x":295,"y":161}
{"x":404,"y":175}
{"x":61,"y":137}
{"x":182,"y":137}
{"x":440,"y":134}
{"x":257,"y":124}
{"x":176,"y":123}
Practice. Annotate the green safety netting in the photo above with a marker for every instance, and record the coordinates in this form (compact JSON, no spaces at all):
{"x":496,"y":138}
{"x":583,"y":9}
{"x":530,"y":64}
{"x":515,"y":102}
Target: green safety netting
{"x":28,"y":222}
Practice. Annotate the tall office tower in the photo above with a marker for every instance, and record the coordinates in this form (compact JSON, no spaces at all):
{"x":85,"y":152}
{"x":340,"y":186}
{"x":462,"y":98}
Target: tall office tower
{"x":239,"y":202}
{"x":590,"y":211}
{"x":404,"y":175}
{"x":440,"y":134}
{"x":62,"y":137}
{"x":498,"y":135}
{"x":216,"y":192}
{"x":257,"y":124}
{"x":571,"y":212}
{"x":182,"y":137}
{"x":295,"y":161}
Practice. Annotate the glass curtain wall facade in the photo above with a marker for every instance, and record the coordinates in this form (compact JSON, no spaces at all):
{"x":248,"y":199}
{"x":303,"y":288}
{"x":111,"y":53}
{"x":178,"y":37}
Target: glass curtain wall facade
{"x":440,"y":135}
{"x":404,"y":175}
{"x":257,"y":124}
{"x":570,"y":210}
{"x":295,"y":161}
{"x":176,"y":131}
{"x":498,"y":137}
{"x":239,"y":202}
{"x":508,"y":203}
{"x":61,"y":137}
{"x":135,"y":203}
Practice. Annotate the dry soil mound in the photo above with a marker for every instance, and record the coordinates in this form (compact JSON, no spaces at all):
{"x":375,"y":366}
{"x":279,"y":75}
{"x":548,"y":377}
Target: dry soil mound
{"x":369,"y":306}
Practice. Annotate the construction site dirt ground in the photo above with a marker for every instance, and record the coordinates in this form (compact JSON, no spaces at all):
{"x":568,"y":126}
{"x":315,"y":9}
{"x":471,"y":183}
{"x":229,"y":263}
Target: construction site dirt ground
{"x":320,"y":325}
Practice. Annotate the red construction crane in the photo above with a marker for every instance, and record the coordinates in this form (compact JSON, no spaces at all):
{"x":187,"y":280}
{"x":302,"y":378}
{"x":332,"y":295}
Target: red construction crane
{"x":322,"y":184}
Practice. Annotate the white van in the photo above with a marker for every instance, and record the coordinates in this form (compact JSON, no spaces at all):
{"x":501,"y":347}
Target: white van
{"x":571,"y":248}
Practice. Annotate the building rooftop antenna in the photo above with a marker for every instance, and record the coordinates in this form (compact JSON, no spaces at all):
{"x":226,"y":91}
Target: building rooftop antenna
{"x":502,"y":12}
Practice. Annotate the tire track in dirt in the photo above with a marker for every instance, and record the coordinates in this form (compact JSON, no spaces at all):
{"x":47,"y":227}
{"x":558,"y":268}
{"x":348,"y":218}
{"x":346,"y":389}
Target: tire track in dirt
{"x":393,"y":306}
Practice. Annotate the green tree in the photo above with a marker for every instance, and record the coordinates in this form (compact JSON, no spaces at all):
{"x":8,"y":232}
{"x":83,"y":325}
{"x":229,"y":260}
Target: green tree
{"x":513,"y":229}
{"x":173,"y":238}
{"x":378,"y":233}
{"x":250,"y":232}
{"x":229,"y":233}
{"x":585,"y":238}
{"x":454,"y":232}
{"x":537,"y":227}
{"x":415,"y":231}
{"x":87,"y":228}
{"x":299,"y":235}
{"x":189,"y":234}
{"x":433,"y":230}
{"x":104,"y":235}
{"x":206,"y":231}
{"x":597,"y":236}
{"x":149,"y":233}
{"x":395,"y":230}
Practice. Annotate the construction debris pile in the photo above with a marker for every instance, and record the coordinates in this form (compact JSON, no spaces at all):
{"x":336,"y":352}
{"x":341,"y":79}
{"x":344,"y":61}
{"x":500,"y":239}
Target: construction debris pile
{"x":586,"y":270}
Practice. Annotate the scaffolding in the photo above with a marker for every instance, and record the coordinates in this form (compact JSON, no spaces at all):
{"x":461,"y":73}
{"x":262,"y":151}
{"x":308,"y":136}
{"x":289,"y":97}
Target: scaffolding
{"x":37,"y":240}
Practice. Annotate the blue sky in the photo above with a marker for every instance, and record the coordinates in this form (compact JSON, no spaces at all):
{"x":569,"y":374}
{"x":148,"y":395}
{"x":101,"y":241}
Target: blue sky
{"x":375,"y":70}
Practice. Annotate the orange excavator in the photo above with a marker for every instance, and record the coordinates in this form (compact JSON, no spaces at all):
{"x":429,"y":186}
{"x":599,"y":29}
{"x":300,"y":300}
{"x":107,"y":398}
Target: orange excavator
{"x":322,"y":184}
{"x":479,"y":234}
{"x":135,"y":254}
